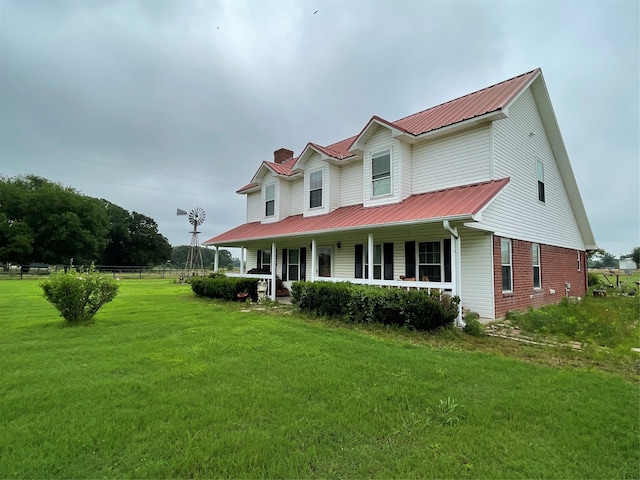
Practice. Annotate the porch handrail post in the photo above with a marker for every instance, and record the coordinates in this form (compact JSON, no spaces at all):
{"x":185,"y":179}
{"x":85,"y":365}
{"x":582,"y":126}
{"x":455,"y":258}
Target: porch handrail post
{"x":313,"y":260}
{"x":273,"y":271}
{"x":242,"y":251}
{"x":216,"y":261}
{"x":370,"y":256}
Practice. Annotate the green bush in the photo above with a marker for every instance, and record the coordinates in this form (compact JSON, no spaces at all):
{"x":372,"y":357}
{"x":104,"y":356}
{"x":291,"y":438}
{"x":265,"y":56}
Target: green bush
{"x":78,"y":294}
{"x":223,"y":287}
{"x":474,"y":328}
{"x":367,"y":304}
{"x":593,"y":279}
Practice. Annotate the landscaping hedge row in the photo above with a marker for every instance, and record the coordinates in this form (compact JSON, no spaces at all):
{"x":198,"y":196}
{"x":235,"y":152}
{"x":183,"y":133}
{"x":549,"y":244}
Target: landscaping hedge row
{"x":367,"y":304}
{"x":224,"y":288}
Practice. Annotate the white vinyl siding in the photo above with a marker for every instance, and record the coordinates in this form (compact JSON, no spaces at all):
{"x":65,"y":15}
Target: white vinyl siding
{"x":254,"y":207}
{"x":457,"y":159}
{"x":516,"y":212}
{"x":476,"y":251}
{"x":334,"y":187}
{"x":352,"y":187}
{"x":405,"y":170}
{"x":297,"y":200}
{"x":284,"y":199}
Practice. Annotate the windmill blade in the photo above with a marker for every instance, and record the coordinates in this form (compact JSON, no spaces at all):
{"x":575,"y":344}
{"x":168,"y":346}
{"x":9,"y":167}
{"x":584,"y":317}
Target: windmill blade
{"x":181,"y":212}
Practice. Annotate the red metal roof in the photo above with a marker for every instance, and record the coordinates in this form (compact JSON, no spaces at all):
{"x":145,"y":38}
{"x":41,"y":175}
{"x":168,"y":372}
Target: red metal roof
{"x":481,"y":102}
{"x":473,"y":105}
{"x":456,"y":202}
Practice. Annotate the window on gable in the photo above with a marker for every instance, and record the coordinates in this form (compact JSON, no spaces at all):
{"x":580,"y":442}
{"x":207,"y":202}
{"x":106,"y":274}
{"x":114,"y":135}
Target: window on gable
{"x":505,"y":260}
{"x":381,"y":173}
{"x":429,"y":262}
{"x":540,"y":174}
{"x":269,"y":200}
{"x":537,"y":280}
{"x":315,"y":189}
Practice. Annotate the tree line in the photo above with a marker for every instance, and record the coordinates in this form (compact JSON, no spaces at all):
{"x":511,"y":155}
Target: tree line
{"x":46,"y":222}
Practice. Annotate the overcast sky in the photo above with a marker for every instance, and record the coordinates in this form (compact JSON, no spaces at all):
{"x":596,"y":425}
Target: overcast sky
{"x":164,"y":104}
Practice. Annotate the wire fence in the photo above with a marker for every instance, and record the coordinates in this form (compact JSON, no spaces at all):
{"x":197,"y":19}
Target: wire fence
{"x":117,"y":271}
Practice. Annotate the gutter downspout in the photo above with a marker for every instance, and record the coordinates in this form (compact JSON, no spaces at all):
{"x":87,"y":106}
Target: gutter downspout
{"x":456,"y":267}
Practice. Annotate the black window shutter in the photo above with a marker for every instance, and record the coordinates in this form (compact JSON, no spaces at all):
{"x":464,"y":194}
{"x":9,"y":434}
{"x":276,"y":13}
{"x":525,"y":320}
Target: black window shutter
{"x":259,"y":259}
{"x":447,"y":259}
{"x":388,"y":261}
{"x":358,"y":259}
{"x":303,"y":264}
{"x":285,"y":260}
{"x":410,"y":259}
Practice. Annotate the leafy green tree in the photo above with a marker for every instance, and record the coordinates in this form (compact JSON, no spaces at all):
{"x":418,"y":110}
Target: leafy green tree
{"x":133,"y":239}
{"x":58,"y":222}
{"x":635,"y":255}
{"x":16,"y":241}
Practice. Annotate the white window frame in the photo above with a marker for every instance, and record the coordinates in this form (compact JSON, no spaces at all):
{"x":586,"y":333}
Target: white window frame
{"x":382,"y":153}
{"x":267,"y":189}
{"x":535,"y":253}
{"x":296,"y":265}
{"x":312,"y":189}
{"x":266,"y":253}
{"x":579,"y":260}
{"x":378,"y":261}
{"x":426,"y":264}
{"x":506,"y":242}
{"x":540,"y":181}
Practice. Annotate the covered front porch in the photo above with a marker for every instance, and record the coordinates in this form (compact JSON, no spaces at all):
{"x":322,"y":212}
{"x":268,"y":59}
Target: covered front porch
{"x":422,"y":256}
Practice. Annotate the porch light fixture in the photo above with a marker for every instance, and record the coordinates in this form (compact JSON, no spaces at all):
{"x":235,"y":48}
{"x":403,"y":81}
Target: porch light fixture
{"x":338,"y":244}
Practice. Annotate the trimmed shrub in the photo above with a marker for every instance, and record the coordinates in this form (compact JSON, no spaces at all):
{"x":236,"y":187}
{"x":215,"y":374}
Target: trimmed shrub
{"x":368,"y":304}
{"x":474,"y":328}
{"x":78,"y":294}
{"x":223,"y":287}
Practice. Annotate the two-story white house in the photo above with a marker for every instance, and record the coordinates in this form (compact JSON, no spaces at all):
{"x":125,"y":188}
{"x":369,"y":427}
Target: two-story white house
{"x":475,"y":197}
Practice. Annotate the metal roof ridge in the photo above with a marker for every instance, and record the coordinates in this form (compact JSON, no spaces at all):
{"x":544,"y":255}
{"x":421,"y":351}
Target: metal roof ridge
{"x":466,"y":95}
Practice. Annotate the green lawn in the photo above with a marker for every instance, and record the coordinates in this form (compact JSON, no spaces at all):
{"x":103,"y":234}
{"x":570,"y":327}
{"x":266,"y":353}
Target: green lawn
{"x":165,"y":384}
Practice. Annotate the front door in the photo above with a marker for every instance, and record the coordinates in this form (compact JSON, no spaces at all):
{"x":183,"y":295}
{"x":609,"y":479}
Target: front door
{"x":324,"y":261}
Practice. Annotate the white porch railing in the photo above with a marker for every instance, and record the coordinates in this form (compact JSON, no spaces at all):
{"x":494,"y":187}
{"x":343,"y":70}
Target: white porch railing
{"x":442,"y":287}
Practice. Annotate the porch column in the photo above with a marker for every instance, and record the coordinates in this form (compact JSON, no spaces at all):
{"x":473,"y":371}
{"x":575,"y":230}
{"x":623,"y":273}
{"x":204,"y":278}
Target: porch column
{"x":456,"y":267}
{"x":456,"y":274}
{"x":273,"y":271}
{"x":241,"y":259}
{"x":216,"y":260}
{"x":313,"y":260}
{"x":370,"y":257}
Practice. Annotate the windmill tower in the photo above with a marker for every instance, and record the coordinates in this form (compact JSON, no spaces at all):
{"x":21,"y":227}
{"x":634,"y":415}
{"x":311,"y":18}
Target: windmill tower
{"x":194,"y":265}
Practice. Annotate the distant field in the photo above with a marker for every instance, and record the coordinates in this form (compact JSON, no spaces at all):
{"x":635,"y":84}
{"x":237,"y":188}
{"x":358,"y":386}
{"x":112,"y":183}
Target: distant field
{"x":165,"y":384}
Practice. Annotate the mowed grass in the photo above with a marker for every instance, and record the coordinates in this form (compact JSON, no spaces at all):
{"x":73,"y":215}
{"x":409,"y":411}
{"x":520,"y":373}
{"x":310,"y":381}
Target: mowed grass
{"x":164,"y":384}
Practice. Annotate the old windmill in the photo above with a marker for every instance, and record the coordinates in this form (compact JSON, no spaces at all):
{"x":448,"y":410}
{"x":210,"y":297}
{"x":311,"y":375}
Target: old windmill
{"x":194,"y":265}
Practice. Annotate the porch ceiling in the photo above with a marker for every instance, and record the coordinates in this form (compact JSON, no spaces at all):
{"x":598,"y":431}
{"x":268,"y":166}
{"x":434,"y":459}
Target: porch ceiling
{"x":452,"y":203}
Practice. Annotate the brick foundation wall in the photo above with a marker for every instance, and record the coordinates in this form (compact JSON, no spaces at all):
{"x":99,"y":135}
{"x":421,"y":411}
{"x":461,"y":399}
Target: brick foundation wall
{"x":557,"y":266}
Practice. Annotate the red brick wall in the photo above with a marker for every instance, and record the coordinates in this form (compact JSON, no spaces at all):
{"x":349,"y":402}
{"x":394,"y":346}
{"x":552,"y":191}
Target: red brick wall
{"x":558,"y":265}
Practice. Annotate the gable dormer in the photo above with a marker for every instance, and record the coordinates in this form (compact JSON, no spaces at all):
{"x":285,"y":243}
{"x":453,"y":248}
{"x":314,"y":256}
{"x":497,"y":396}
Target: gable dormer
{"x":269,"y":192}
{"x":386,"y":164}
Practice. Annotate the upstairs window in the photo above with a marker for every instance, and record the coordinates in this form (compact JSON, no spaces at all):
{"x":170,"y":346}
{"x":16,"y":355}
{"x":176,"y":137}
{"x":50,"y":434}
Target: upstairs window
{"x":269,"y":201}
{"x":505,"y":260}
{"x":381,"y":173}
{"x":315,"y":189}
{"x":540,"y":174}
{"x":537,"y":280}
